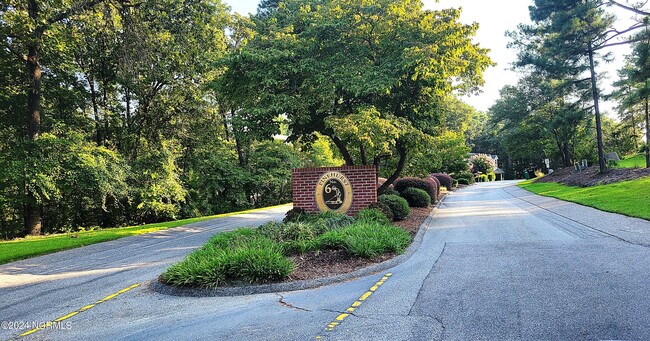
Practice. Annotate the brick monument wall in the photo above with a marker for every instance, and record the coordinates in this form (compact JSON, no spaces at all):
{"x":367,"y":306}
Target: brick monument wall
{"x":362,"y":178}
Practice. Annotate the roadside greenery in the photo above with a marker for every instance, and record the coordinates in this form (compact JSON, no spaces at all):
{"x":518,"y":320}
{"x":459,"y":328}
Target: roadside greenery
{"x":116,"y":114}
{"x":632,"y":161}
{"x":629,"y":197}
{"x":13,"y":250}
{"x":256,"y":256}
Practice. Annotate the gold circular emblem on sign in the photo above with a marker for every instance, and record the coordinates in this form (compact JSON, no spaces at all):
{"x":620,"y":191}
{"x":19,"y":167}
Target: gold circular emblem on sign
{"x":334,"y":193}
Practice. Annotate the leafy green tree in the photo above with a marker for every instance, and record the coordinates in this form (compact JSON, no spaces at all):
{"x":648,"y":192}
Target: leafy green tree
{"x":27,"y":29}
{"x":543,"y":105}
{"x":482,"y":163}
{"x":339,"y":61}
{"x":565,"y":39}
{"x":633,"y":87}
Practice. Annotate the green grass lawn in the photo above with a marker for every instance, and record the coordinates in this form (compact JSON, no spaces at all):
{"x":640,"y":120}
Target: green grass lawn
{"x":632,"y":161}
{"x":629,"y":197}
{"x":28,"y":247}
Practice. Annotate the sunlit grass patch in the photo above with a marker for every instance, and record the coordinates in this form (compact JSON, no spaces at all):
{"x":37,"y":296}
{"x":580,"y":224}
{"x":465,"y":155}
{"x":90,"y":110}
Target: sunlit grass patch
{"x":629,"y":197}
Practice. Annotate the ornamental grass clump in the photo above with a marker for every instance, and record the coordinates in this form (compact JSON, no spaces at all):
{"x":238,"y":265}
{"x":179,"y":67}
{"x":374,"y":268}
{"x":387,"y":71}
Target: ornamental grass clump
{"x":242,"y":256}
{"x":367,"y":239}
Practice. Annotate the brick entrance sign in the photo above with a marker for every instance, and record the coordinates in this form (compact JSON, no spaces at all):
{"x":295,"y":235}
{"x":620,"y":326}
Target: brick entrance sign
{"x":345,"y":189}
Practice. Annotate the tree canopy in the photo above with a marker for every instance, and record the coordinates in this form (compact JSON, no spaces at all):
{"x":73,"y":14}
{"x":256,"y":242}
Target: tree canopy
{"x":371,"y":75}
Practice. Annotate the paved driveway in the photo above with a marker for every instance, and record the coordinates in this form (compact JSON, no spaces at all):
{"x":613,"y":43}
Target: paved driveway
{"x":496,"y":263}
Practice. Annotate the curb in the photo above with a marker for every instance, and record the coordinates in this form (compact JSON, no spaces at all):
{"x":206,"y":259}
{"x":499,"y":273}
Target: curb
{"x":161,"y":288}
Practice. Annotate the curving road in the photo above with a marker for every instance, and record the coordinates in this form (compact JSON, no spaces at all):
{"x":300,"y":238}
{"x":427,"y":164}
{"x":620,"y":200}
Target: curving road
{"x":496,"y":263}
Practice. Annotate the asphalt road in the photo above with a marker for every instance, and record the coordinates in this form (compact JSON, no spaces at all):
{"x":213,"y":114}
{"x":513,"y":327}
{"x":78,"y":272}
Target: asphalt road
{"x":496,"y":263}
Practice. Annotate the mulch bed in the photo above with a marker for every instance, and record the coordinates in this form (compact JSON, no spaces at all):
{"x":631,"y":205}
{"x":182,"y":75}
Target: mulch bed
{"x":592,"y":177}
{"x":326,"y":263}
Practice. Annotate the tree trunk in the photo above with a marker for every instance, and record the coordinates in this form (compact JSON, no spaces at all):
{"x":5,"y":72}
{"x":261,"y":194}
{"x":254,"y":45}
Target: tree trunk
{"x":33,"y":220}
{"x":127,"y":99}
{"x":93,"y":100}
{"x":240,"y":152}
{"x":599,"y":129}
{"x":567,"y":154}
{"x":362,"y":150}
{"x":106,"y":123}
{"x":344,"y":151}
{"x":647,"y":135}
{"x":224,"y":120}
{"x":400,"y":166}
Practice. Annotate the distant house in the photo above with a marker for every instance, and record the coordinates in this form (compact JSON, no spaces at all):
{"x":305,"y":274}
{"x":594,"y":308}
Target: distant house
{"x":498,"y":171}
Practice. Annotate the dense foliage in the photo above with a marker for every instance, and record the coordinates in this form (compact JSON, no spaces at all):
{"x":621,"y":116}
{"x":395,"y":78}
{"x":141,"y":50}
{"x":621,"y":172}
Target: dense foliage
{"x":405,"y":63}
{"x":116,"y":113}
{"x":481,"y":163}
{"x":553,"y":112}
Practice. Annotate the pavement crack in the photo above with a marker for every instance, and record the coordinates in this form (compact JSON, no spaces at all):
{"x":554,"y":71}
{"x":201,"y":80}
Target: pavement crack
{"x":444,"y":247}
{"x":289,"y":305}
{"x":343,"y":312}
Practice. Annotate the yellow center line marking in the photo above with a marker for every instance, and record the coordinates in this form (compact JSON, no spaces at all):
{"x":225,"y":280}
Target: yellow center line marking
{"x":339,"y":319}
{"x":80,"y":310}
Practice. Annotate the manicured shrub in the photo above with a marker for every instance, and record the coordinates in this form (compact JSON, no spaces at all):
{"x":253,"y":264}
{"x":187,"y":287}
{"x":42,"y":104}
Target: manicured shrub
{"x":463,"y":181}
{"x":436,"y":186}
{"x":390,"y":190}
{"x":482,"y":163}
{"x":367,"y":239}
{"x":482,"y":178}
{"x":404,"y":183}
{"x":373,"y":215}
{"x":398,"y":205}
{"x":383,"y":208}
{"x":416,"y":197}
{"x":492,"y":176}
{"x":294,"y":214}
{"x":434,"y":181}
{"x":445,"y":180}
{"x":465,"y":175}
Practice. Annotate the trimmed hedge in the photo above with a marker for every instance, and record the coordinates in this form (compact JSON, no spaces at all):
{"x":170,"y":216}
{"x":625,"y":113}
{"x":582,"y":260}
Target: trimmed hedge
{"x":469,"y":177}
{"x":383,"y":208}
{"x":391,"y":190}
{"x":434,"y":181}
{"x":463,"y":181}
{"x":397,"y":204}
{"x":416,"y":197}
{"x":404,"y":183}
{"x":436,"y":184}
{"x":445,"y":180}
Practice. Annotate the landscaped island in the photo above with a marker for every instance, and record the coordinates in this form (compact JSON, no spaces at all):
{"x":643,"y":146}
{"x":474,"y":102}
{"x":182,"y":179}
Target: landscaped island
{"x":279,"y":251}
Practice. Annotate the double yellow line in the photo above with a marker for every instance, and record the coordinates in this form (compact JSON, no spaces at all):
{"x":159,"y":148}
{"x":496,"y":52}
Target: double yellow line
{"x":339,"y":319}
{"x":80,"y":310}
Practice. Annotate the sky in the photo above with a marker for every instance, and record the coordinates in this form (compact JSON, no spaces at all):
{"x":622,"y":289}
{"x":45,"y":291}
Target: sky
{"x":494,"y":17}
